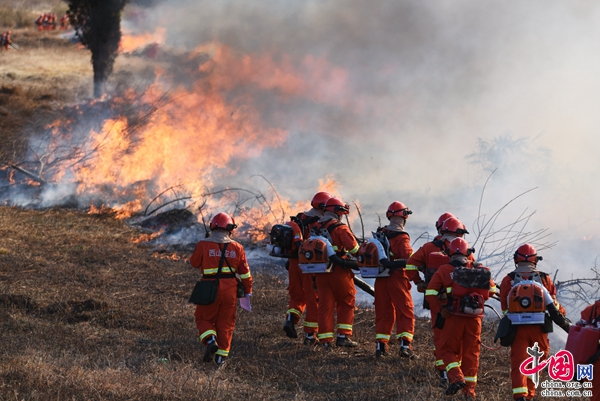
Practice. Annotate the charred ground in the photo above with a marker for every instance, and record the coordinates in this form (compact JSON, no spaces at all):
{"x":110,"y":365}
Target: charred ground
{"x":89,"y":313}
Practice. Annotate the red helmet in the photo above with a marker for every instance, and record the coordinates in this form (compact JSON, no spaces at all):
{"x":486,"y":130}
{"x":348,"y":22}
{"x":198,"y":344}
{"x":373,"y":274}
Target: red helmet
{"x":453,"y":225}
{"x":224,"y":221}
{"x":526,"y":253}
{"x":459,"y":246}
{"x":398,"y":209}
{"x":319,"y":200}
{"x":336,"y":206}
{"x":441,"y":220}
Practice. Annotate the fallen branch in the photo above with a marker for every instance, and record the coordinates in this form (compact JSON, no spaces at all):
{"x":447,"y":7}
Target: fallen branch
{"x":29,"y":173}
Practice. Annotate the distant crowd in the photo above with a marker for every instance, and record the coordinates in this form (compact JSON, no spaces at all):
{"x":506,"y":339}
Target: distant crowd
{"x":49,"y":22}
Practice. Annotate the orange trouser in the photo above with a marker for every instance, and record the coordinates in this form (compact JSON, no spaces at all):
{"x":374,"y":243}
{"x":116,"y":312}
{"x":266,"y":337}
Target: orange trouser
{"x":336,"y":294}
{"x":218,"y":318}
{"x":302,"y":297}
{"x":460,"y":345}
{"x":394,"y":304}
{"x":527,"y":336}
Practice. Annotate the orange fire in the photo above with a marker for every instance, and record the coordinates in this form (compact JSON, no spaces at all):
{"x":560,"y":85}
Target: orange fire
{"x":130,"y":43}
{"x":192,"y":136}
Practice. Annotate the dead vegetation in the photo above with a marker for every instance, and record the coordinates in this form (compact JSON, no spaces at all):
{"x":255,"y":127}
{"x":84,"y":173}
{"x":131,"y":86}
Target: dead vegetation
{"x":86,"y":314}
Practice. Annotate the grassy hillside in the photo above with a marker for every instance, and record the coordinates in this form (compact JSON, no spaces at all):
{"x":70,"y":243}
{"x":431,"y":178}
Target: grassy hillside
{"x":88,"y":313}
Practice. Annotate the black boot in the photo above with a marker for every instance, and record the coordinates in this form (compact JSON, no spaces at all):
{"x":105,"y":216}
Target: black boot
{"x":406,"y":351}
{"x":455,"y":387}
{"x":380,"y":350}
{"x":211,"y":348}
{"x":290,"y":326}
{"x":344,"y":341}
{"x":443,"y":379}
{"x":310,"y":339}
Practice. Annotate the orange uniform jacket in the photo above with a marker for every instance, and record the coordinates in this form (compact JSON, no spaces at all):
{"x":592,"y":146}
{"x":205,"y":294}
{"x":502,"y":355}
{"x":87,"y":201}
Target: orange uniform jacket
{"x":301,"y":288}
{"x":460,"y":339}
{"x":218,"y":318}
{"x":393,"y":300}
{"x":419,"y":261}
{"x":336,"y":290}
{"x":526,"y":336}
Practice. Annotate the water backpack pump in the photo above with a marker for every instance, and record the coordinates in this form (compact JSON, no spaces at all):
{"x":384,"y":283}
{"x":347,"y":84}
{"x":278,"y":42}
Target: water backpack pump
{"x":527,"y":302}
{"x":470,"y":290}
{"x":282,"y":241}
{"x":314,"y":254}
{"x":370,"y":255}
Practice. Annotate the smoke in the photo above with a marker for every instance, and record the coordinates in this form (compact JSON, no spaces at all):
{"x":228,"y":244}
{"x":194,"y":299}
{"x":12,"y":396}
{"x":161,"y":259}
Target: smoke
{"x":412,"y":101}
{"x":420,"y":101}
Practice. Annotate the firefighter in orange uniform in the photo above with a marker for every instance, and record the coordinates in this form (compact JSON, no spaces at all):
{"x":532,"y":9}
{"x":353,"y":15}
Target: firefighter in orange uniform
{"x":590,"y":316}
{"x":467,"y":289}
{"x":6,"y":41}
{"x":448,"y":228}
{"x":336,"y":290}
{"x":216,"y":322}
{"x":301,"y":289}
{"x":393,"y":299}
{"x":527,"y":335}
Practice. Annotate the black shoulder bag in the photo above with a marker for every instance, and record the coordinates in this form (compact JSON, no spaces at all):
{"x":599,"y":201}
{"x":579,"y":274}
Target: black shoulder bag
{"x":205,"y":291}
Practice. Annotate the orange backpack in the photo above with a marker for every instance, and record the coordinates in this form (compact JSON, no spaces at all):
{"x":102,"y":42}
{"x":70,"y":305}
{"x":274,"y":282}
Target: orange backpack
{"x":527,"y":301}
{"x":470,"y":290}
{"x":370,"y":254}
{"x":313,"y":255}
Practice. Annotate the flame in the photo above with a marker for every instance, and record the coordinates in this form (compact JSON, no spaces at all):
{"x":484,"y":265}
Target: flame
{"x":147,"y":237}
{"x":330,"y":185}
{"x":177,"y":145}
{"x":130,"y":42}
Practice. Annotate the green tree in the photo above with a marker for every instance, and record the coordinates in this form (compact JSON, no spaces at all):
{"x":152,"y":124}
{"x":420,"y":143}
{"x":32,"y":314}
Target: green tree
{"x":98,"y":26}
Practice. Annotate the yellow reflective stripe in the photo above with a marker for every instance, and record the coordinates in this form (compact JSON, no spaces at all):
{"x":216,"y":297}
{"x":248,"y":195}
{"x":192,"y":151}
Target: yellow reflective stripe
{"x":411,"y":267}
{"x":207,"y":333}
{"x":448,"y":290}
{"x":312,"y":325}
{"x":215,"y":270}
{"x":505,"y":311}
{"x":494,"y":289}
{"x":520,"y":390}
{"x":222,"y":352}
{"x":245,"y":276}
{"x":380,"y":336}
{"x":335,"y":248}
{"x":404,"y":334}
{"x":431,"y":292}
{"x":323,"y":336}
{"x":452,"y":366}
{"x":439,"y":362}
{"x":294,"y":311}
{"x":391,"y":253}
{"x":471,"y":379}
{"x":344,"y":326}
{"x":355,"y":249}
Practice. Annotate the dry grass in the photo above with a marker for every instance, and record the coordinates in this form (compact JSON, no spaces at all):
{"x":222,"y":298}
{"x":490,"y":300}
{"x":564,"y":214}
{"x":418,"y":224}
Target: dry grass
{"x":88,"y":315}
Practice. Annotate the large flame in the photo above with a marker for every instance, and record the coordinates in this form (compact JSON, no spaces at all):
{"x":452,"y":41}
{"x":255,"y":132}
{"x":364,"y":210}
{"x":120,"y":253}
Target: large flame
{"x":172,"y":143}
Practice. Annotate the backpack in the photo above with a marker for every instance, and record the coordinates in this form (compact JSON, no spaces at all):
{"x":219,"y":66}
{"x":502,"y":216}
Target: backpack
{"x":282,"y":241}
{"x":470,"y":290}
{"x":313,"y":255}
{"x":282,"y":236}
{"x":527,"y":300}
{"x":370,"y":254}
